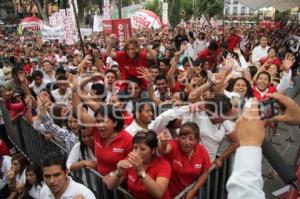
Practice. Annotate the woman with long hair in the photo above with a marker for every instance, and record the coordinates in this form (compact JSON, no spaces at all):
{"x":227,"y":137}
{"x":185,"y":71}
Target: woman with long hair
{"x":34,"y":182}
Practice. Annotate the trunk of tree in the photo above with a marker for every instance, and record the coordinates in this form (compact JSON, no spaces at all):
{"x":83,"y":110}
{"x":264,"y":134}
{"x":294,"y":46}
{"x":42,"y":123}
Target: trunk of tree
{"x":41,"y":11}
{"x":80,"y":14}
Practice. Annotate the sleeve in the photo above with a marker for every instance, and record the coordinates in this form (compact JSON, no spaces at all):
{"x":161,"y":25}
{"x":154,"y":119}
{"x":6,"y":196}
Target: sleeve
{"x":229,"y":126}
{"x":163,"y":119}
{"x":243,"y":61}
{"x":37,"y":125}
{"x":57,"y":131}
{"x":284,"y":82}
{"x":74,"y":155}
{"x":246,"y":181}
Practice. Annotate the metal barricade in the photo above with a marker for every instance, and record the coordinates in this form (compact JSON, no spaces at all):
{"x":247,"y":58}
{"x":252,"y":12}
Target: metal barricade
{"x":215,"y":186}
{"x":32,"y":144}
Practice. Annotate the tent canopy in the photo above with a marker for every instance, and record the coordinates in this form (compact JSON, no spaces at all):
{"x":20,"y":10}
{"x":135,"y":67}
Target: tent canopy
{"x":280,"y":5}
{"x":30,"y":19}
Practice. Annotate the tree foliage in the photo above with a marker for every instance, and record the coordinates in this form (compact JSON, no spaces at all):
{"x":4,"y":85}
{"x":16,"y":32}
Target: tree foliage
{"x":155,"y":6}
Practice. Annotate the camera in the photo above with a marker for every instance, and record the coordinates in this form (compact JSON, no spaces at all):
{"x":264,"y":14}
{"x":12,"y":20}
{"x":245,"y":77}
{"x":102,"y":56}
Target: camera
{"x":269,"y":108}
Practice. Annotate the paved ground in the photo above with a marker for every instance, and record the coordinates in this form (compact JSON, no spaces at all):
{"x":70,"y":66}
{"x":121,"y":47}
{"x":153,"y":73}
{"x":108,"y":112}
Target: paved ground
{"x":289,"y":139}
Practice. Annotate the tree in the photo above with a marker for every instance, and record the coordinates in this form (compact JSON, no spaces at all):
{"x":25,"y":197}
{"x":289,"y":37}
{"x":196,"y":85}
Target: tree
{"x":154,"y":6}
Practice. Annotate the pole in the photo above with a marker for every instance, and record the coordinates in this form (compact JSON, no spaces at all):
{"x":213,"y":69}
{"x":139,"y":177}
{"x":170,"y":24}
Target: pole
{"x":120,"y":8}
{"x":78,"y":28}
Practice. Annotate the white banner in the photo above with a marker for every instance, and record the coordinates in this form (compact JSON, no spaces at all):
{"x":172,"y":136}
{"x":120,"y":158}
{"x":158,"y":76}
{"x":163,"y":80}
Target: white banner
{"x":86,"y":32}
{"x":106,"y":9}
{"x":53,"y":33}
{"x":98,"y":23}
{"x":165,"y":18}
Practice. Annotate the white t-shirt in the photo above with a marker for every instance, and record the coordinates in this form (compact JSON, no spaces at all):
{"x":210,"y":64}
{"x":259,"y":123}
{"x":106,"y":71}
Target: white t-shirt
{"x":62,"y":99}
{"x":73,"y":189}
{"x":75,"y":155}
{"x":259,"y":52}
{"x":6,"y":165}
{"x":133,"y":128}
{"x":211,"y":134}
{"x":35,"y":191}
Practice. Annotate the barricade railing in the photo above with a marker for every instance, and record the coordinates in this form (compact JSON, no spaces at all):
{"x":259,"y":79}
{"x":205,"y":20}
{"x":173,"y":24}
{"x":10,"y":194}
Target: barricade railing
{"x":215,"y":186}
{"x":34,"y":146}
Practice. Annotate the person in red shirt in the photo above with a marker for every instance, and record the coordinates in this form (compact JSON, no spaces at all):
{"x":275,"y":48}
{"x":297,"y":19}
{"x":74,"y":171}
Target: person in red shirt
{"x":131,"y":58}
{"x":233,"y":39}
{"x":210,"y":54}
{"x":271,"y":58}
{"x":147,"y":174}
{"x":188,"y":158}
{"x":111,"y":142}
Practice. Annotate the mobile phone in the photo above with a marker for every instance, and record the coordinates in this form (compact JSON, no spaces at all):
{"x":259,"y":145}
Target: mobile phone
{"x":269,"y":108}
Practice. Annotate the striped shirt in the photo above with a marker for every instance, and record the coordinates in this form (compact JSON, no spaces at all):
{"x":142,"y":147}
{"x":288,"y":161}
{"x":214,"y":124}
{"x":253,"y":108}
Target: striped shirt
{"x":60,"y":133}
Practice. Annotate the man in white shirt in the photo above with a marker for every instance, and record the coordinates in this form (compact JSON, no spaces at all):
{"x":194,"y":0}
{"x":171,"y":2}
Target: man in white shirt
{"x":63,"y":94}
{"x":57,"y":182}
{"x":38,"y":83}
{"x":143,"y":117}
{"x":261,"y":50}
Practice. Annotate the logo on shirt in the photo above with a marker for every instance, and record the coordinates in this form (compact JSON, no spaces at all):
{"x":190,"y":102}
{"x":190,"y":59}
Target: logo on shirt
{"x":131,"y":178}
{"x":118,"y":150}
{"x":178,"y":163}
{"x":198,"y":166}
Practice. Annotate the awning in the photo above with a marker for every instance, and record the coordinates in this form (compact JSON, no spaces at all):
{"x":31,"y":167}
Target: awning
{"x":280,"y":5}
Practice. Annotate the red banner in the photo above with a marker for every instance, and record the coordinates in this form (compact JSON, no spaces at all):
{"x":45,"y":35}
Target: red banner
{"x":120,"y":27}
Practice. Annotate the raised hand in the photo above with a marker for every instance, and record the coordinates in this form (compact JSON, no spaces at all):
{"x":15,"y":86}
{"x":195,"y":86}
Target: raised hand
{"x":229,"y":62}
{"x":144,"y":73}
{"x":288,"y":62}
{"x":163,"y":138}
{"x":197,"y":107}
{"x":136,"y":160}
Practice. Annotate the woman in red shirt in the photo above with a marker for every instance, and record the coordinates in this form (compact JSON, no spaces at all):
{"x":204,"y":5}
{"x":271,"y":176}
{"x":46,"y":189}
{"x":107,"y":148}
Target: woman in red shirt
{"x":147,"y":174}
{"x":189,"y":159}
{"x":271,"y":58}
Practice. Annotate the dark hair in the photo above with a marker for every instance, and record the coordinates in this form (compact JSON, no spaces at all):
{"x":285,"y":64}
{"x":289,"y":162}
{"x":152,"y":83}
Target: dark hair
{"x":264,"y":73}
{"x":187,"y":59}
{"x":100,"y":88}
{"x":37,"y":170}
{"x":219,"y":102}
{"x":253,"y":70}
{"x":271,"y":49}
{"x":213,"y":46}
{"x":56,"y":114}
{"x":147,"y":137}
{"x":54,"y":159}
{"x":160,"y":77}
{"x":203,"y":74}
{"x":111,"y":71}
{"x":37,"y":73}
{"x":60,"y":71}
{"x":249,"y":92}
{"x":154,"y":67}
{"x":83,"y":146}
{"x":48,"y":91}
{"x":190,"y":125}
{"x":165,"y":60}
{"x":15,"y":70}
{"x":46,"y":60}
{"x":61,"y":77}
{"x":22,"y":160}
{"x":112,"y":113}
{"x":140,"y":106}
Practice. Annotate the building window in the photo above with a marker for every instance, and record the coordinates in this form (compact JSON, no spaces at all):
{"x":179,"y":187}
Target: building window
{"x":235,"y":2}
{"x":226,"y":11}
{"x":235,"y":9}
{"x":227,"y":2}
{"x":251,"y":11}
{"x":243,"y":10}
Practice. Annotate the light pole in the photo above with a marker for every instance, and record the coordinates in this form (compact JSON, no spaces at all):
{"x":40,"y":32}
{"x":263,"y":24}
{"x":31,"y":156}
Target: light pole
{"x":120,"y":8}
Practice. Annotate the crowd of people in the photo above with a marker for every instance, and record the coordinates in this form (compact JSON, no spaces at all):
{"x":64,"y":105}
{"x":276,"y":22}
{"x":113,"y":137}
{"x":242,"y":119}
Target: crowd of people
{"x":151,"y":115}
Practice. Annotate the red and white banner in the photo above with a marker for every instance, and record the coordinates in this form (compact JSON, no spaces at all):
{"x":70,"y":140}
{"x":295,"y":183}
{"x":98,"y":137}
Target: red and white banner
{"x":145,"y":19}
{"x":120,"y":27}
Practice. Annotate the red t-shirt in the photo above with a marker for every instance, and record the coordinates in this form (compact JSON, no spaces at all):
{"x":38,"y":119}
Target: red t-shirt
{"x":258,"y":96}
{"x":158,"y":167}
{"x":275,"y":61}
{"x":128,"y":66}
{"x":233,"y":41}
{"x":186,"y":170}
{"x":211,"y":57}
{"x":109,"y":155}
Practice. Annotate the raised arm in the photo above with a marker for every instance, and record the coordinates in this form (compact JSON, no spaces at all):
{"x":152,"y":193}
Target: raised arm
{"x":287,"y":74}
{"x":111,"y":42}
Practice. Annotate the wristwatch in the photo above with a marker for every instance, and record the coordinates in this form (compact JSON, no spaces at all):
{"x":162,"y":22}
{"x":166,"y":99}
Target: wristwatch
{"x":142,"y":174}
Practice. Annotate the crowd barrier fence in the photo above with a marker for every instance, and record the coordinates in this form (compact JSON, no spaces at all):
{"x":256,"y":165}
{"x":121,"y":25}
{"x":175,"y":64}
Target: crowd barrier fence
{"x":33,"y":145}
